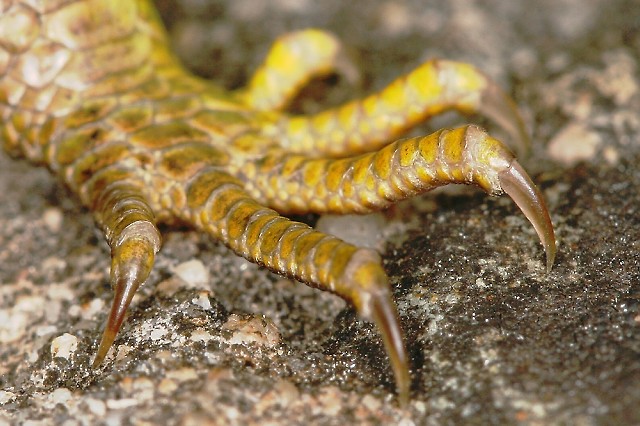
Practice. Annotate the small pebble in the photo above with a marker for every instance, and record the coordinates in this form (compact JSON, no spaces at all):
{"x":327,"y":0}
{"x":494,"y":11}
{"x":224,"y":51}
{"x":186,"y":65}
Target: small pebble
{"x":12,"y":325}
{"x":90,"y":311}
{"x":54,"y":263}
{"x":167,"y":386}
{"x":194,"y":273}
{"x":123,"y":351}
{"x":52,"y":218}
{"x":182,"y":374}
{"x":6,"y":396}
{"x":256,"y":329}
{"x":158,"y":333}
{"x":371,"y":403}
{"x":199,"y":335}
{"x":143,"y":388}
{"x":60,"y":396}
{"x":330,"y":400}
{"x":575,"y":142}
{"x":611,"y":155}
{"x":203,"y":300}
{"x":63,"y":346}
{"x":60,"y":292}
{"x":96,"y":406}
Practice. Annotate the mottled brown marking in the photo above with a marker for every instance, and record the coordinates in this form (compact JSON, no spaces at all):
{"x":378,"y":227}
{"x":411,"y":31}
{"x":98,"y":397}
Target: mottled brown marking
{"x":180,"y":107}
{"x":77,"y":144}
{"x":99,"y":159}
{"x":92,"y":111}
{"x":227,"y":123}
{"x":131,"y":118}
{"x":185,"y":160}
{"x":204,"y":184}
{"x":164,"y":135}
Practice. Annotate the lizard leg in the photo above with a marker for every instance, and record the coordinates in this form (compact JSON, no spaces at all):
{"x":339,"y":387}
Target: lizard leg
{"x":129,"y":227}
{"x":219,"y":205}
{"x":293,"y":60}
{"x":367,"y":124}
{"x":398,"y":171}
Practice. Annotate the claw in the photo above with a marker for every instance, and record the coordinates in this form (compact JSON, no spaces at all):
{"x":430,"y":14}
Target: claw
{"x":517,"y":184}
{"x":499,"y":107}
{"x":384,"y":315}
{"x":123,"y":295}
{"x":372,"y":298}
{"x":132,"y":263}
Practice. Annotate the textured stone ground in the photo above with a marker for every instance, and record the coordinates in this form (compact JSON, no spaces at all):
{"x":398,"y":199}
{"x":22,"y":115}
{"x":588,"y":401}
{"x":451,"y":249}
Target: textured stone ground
{"x":212,"y":339}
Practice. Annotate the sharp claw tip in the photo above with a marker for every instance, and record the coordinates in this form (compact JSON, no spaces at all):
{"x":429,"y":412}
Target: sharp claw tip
{"x":105,"y":344}
{"x":551,"y":256}
{"x":518,"y":185}
{"x":96,"y":362}
{"x":385,"y":317}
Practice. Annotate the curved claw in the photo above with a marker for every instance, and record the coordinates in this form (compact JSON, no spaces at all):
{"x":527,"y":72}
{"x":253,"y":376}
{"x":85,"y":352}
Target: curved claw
{"x":124,"y":291}
{"x":132,"y":262}
{"x":385,"y":317}
{"x":517,"y":184}
{"x":496,"y":105}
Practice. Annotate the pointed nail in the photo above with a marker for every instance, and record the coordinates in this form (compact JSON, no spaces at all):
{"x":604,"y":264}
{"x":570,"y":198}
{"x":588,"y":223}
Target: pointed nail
{"x":130,"y":267}
{"x":384,"y":315}
{"x":517,"y":184}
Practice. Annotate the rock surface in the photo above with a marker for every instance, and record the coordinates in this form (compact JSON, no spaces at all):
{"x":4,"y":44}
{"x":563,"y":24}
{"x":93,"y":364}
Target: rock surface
{"x":493,"y":339}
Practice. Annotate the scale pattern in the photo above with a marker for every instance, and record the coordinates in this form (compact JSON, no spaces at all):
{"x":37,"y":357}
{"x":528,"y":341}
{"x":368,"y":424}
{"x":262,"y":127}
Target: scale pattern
{"x":90,"y":89}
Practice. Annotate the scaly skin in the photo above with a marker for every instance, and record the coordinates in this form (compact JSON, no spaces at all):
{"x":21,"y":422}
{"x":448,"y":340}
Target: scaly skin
{"x":90,"y":89}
